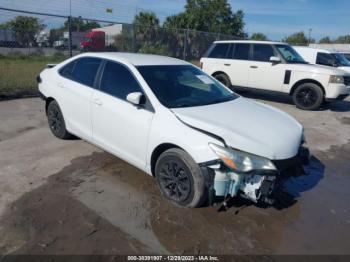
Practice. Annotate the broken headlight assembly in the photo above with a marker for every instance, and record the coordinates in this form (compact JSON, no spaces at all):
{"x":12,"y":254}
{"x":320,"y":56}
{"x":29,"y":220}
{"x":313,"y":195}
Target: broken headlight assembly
{"x":241,"y":162}
{"x":247,"y":175}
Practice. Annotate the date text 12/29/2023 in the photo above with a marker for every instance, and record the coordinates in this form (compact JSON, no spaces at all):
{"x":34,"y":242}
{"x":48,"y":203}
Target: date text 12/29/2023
{"x":173,"y":258}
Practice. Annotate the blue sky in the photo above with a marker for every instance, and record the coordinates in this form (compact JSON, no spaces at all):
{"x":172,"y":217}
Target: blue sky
{"x":275,"y":18}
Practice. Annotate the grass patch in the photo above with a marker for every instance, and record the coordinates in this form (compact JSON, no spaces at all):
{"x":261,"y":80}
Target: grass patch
{"x":18,"y":73}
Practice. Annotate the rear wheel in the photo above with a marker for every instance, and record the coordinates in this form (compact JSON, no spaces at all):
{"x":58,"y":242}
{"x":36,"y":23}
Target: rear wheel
{"x":224,"y":79}
{"x":308,"y":96}
{"x":180,"y":179}
{"x":56,"y":121}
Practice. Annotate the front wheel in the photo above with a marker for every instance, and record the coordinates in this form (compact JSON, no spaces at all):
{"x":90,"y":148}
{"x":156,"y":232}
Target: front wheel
{"x":180,"y":178}
{"x":308,"y":96}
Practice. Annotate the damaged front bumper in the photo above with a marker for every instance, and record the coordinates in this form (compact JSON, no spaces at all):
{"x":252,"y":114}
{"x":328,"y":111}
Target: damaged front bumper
{"x":258,"y":185}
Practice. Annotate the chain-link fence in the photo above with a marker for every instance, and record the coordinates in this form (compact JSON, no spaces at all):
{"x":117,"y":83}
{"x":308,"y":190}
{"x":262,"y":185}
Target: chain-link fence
{"x":30,"y":40}
{"x":29,"y":33}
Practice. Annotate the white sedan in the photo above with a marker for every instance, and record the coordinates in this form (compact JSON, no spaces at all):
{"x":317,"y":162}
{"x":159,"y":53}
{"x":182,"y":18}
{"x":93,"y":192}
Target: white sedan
{"x":170,"y":119}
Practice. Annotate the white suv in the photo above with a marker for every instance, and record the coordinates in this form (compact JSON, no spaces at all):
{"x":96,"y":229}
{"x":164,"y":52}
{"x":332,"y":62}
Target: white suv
{"x":323,"y":57}
{"x":274,"y":66}
{"x":171,"y":120}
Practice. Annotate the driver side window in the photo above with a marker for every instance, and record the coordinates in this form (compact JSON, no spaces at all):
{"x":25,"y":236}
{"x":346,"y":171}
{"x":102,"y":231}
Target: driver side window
{"x":118,"y":81}
{"x":262,"y":52}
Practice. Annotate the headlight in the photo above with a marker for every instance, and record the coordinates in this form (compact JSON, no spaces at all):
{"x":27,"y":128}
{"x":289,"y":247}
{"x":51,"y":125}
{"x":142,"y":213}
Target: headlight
{"x":241,"y":161}
{"x":336,"y":80}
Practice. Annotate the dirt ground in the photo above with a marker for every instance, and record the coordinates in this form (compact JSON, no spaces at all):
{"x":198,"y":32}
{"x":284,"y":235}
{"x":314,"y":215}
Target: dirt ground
{"x":69,"y":197}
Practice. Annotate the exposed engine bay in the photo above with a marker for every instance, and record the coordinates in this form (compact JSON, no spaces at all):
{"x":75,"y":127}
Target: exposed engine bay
{"x":258,"y":186}
{"x":251,"y":186}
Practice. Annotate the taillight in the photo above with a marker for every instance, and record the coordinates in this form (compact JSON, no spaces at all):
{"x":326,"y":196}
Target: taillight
{"x":38,"y":79}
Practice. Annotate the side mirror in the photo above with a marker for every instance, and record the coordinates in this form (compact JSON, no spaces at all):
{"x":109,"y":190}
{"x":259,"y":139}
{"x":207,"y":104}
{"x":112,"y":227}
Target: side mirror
{"x":275,"y":59}
{"x":134,"y":98}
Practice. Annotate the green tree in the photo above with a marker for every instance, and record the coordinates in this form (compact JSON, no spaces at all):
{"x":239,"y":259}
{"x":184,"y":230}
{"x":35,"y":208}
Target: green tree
{"x":146,"y":19}
{"x":344,"y":39}
{"x":259,"y":37}
{"x":146,"y":25}
{"x":55,"y":34}
{"x":4,"y":26}
{"x":91,"y":25}
{"x":298,"y":38}
{"x":325,"y":40}
{"x":26,"y":28}
{"x":210,"y":16}
{"x":176,"y":21}
{"x":79,"y":25}
{"x":148,"y":35}
{"x":214,"y":16}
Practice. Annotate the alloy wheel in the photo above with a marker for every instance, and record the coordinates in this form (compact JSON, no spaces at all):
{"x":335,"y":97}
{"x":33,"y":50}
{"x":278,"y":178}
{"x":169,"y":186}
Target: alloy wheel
{"x":175,"y":181}
{"x":55,"y":119}
{"x":306,"y":96}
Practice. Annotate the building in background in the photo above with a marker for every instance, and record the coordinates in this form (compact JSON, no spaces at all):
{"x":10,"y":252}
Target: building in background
{"x":8,"y":38}
{"x":342,"y":48}
{"x":110,"y":33}
{"x":42,"y":38}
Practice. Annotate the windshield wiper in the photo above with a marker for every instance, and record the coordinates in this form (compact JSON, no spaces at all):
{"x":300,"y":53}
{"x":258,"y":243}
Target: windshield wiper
{"x":221,"y":100}
{"x":297,"y":62}
{"x":182,"y":105}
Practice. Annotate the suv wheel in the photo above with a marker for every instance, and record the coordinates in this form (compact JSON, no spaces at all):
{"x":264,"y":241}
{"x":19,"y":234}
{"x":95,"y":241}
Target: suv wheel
{"x":56,"y":121}
{"x":308,"y":96}
{"x":180,"y":178}
{"x":224,"y":79}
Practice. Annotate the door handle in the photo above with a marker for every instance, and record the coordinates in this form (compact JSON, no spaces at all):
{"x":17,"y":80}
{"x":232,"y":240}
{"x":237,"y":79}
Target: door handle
{"x":254,"y":67}
{"x":60,"y":85}
{"x":97,"y":101}
{"x":227,"y":64}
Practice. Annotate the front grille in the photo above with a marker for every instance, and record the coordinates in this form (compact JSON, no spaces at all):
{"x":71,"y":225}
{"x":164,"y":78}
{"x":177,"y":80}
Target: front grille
{"x":293,"y":166}
{"x":347,"y":80}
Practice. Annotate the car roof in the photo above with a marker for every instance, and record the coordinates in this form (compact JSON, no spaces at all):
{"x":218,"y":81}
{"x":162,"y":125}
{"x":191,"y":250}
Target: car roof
{"x":137,"y":59}
{"x":250,"y":42}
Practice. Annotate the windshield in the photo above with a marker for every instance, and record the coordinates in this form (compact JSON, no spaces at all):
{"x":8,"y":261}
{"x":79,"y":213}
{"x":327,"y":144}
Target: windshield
{"x":184,"y":86}
{"x":290,"y":55}
{"x":347,"y":56}
{"x":341,"y":59}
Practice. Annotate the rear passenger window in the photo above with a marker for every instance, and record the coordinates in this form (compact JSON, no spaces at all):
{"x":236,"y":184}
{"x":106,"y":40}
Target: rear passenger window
{"x":325,"y":59}
{"x":219,"y":51}
{"x":118,"y":81}
{"x":85,"y":70}
{"x":262,"y":53}
{"x":67,"y":70}
{"x":241,"y":51}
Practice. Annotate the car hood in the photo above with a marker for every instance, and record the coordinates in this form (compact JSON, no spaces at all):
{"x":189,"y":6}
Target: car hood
{"x":248,"y":126}
{"x":319,"y":69}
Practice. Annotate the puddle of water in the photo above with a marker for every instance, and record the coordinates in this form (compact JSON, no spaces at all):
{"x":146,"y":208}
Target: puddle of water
{"x":121,"y":204}
{"x":129,"y":201}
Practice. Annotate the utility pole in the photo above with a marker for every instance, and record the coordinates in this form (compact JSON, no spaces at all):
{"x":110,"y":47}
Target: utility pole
{"x":70,"y":29}
{"x":310,"y":30}
{"x":185,"y":44}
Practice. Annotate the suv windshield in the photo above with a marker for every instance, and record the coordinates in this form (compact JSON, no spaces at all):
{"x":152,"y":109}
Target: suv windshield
{"x":290,"y":55}
{"x":341,"y":59}
{"x":184,"y":86}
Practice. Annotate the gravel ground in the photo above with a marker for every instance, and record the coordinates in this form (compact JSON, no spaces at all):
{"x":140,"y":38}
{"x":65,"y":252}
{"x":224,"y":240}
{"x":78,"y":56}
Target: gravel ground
{"x":69,"y":197}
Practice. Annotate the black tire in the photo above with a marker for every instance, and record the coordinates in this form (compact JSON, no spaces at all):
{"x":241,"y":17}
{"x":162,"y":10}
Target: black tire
{"x":308,"y":96}
{"x":56,"y":121}
{"x":180,"y":179}
{"x":224,"y":79}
